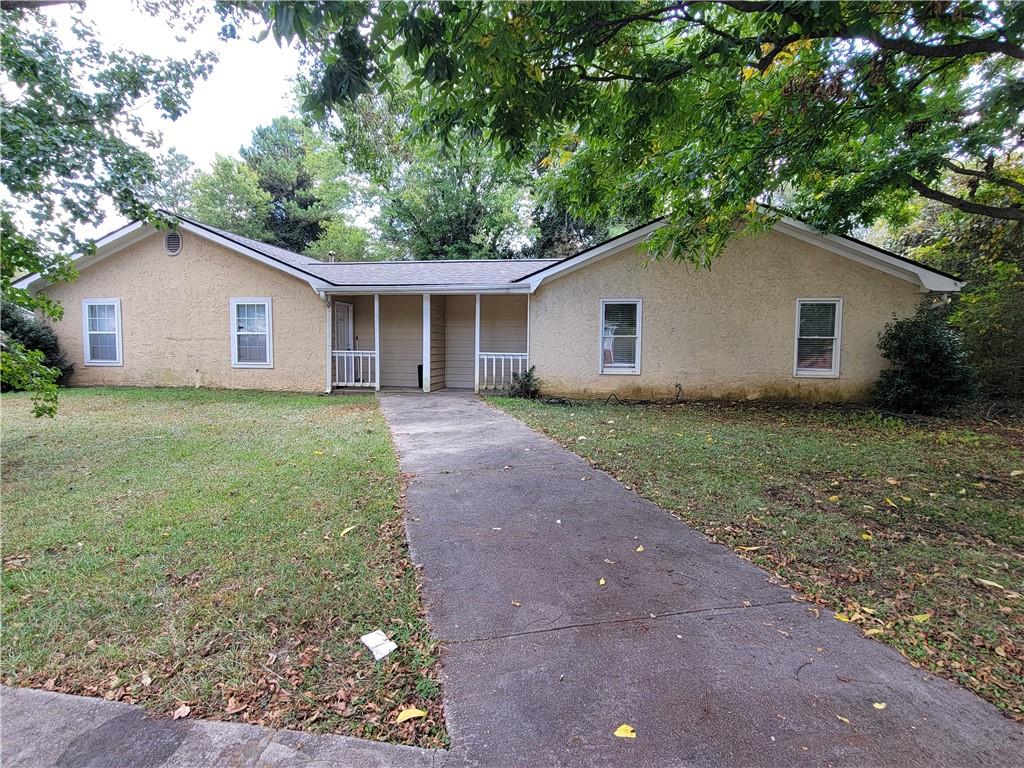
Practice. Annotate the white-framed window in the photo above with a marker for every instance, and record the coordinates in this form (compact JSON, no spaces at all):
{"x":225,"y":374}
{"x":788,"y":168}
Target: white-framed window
{"x":252,"y":337}
{"x":819,"y":324}
{"x":621,"y":326}
{"x":101,"y":331}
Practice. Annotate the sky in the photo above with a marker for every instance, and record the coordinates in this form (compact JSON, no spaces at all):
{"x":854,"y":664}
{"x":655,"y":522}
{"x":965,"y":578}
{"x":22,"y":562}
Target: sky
{"x":251,"y":84}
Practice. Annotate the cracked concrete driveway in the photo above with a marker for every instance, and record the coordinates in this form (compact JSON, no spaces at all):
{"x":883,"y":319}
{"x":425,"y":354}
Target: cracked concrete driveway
{"x":710,"y":661}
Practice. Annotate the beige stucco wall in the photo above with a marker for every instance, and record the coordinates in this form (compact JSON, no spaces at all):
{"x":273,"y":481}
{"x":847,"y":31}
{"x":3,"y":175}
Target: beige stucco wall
{"x":175,"y":319}
{"x":727,"y":332}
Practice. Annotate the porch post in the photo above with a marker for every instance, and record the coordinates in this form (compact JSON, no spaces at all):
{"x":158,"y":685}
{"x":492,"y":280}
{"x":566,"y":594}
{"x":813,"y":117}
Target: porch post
{"x":426,"y":342}
{"x":476,"y":347}
{"x":328,"y":343}
{"x":528,"y":330}
{"x":376,"y":342}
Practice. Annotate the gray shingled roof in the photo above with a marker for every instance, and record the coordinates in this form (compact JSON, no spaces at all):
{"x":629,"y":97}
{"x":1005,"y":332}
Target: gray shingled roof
{"x":443,"y":272}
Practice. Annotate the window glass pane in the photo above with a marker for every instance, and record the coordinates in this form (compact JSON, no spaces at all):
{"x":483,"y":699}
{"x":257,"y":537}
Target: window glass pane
{"x":103,"y":347}
{"x":251,"y":318}
{"x":252,"y":348}
{"x":101,"y":317}
{"x":818,"y":319}
{"x":619,"y":351}
{"x":814,"y":354}
{"x":619,"y":320}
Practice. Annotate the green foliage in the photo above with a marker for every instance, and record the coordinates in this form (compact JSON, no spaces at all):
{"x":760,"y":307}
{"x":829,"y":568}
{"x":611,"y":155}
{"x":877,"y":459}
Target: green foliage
{"x":525,"y":385}
{"x":229,"y":196}
{"x":697,"y":110}
{"x":341,"y":241}
{"x":277,"y":154}
{"x":171,"y":187}
{"x":989,"y":254}
{"x":22,"y":327}
{"x":929,"y":372}
{"x":73,"y":143}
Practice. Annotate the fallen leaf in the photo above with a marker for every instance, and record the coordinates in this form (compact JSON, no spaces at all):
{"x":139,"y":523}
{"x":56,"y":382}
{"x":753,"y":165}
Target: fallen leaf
{"x":183,"y":711}
{"x":749,"y":549}
{"x":842,"y":617}
{"x":866,"y":536}
{"x":833,"y":499}
{"x":921,"y":618}
{"x":234,"y":706}
{"x":146,"y":679}
{"x":318,"y":453}
{"x":844,"y":719}
{"x":1016,"y":472}
{"x":640,"y":548}
{"x":873,"y":631}
{"x":409,"y":714}
{"x":347,"y":531}
{"x":516,"y":603}
{"x":625,"y":731}
{"x":879,"y":705}
{"x":600,"y":582}
{"x":987,"y":583}
{"x":891,"y":503}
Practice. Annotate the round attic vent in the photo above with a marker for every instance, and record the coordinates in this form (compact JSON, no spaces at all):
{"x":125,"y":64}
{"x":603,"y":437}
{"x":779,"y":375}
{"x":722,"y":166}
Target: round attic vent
{"x":172,"y":242}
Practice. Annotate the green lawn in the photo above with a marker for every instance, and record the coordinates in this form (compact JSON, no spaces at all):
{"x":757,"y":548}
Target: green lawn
{"x":914,"y":531}
{"x":219,"y":550}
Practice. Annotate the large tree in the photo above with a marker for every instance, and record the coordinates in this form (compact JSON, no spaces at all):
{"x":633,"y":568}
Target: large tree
{"x":74,"y":146}
{"x":699,"y":110}
{"x":229,"y":196}
{"x":278,"y":156}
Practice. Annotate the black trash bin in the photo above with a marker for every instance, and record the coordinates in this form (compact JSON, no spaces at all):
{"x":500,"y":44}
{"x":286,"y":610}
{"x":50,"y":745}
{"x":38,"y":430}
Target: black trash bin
{"x":419,"y":374}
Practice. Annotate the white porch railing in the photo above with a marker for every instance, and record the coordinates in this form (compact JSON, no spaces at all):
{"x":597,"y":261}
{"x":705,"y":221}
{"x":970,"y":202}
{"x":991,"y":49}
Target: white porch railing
{"x":354,"y":368}
{"x":496,"y":368}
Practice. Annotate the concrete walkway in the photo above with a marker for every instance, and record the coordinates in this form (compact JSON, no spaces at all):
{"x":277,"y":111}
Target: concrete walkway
{"x":711,"y":662}
{"x":39,"y":729}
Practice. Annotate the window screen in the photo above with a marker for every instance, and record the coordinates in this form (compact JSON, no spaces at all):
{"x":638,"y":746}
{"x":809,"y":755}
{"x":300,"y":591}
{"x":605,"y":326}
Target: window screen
{"x":620,"y":336}
{"x":817,"y":337}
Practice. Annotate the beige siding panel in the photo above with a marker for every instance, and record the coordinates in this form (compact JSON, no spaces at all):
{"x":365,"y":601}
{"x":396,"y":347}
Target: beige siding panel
{"x":175,"y":319}
{"x":727,"y":332}
{"x":401,"y":340}
{"x":460,"y":318}
{"x":503,"y":323}
{"x":362,"y":321}
{"x":437,"y":342}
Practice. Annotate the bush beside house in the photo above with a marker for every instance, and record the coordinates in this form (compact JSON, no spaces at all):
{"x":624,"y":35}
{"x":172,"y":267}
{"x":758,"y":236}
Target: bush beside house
{"x":18,"y":325}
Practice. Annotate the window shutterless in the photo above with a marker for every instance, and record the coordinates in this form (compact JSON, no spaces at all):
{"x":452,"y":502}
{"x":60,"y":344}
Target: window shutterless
{"x":819,"y":325}
{"x":101,"y":331}
{"x":621,"y":328}
{"x":252,"y":338}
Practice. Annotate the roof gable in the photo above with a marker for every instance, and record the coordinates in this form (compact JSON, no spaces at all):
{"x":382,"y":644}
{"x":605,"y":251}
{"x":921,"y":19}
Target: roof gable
{"x":927,"y":278}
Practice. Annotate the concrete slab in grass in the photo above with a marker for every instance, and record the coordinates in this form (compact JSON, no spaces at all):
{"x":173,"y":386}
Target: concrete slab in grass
{"x":40,"y":728}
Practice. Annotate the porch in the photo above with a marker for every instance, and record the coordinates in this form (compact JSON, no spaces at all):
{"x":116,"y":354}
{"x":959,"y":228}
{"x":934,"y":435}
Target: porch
{"x":462,"y":341}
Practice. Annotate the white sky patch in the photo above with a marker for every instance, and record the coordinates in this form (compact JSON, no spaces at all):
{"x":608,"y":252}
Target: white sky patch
{"x":251,"y":84}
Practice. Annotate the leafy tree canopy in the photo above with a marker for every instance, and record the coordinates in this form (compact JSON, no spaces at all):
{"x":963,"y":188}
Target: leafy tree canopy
{"x":695,"y":109}
{"x":230,"y":197}
{"x":73,"y":142}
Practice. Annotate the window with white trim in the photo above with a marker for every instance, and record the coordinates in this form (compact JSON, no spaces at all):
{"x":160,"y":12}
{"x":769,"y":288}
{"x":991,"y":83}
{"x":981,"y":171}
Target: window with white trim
{"x":621,"y":323}
{"x":252,"y":341}
{"x":818,"y":338}
{"x":101,"y":331}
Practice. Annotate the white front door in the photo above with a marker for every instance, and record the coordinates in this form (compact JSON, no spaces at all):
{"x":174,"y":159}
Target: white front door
{"x":342,"y":326}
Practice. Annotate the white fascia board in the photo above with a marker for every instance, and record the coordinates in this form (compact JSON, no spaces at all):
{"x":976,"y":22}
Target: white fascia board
{"x":594,"y":254}
{"x":871,"y":257}
{"x":448,"y":290}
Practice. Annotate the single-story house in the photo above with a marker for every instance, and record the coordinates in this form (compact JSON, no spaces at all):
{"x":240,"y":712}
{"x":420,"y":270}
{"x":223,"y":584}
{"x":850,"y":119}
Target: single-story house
{"x":791,"y":313}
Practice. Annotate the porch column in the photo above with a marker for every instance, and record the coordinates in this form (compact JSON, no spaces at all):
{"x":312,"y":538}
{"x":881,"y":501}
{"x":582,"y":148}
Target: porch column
{"x":426,"y":342}
{"x":528,"y":330}
{"x":328,"y":343}
{"x":376,"y":341}
{"x":476,"y":347}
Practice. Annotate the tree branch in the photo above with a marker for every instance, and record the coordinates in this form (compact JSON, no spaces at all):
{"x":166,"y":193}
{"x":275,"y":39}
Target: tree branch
{"x":992,"y":176}
{"x":1009,"y":212}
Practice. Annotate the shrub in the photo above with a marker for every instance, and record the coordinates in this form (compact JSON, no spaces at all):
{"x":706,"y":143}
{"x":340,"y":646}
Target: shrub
{"x":25,"y":329}
{"x":929,"y":372}
{"x":525,"y":385}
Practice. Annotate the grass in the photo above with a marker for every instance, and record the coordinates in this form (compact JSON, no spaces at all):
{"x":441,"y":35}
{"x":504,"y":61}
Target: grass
{"x":221,"y":551}
{"x":912,"y":530}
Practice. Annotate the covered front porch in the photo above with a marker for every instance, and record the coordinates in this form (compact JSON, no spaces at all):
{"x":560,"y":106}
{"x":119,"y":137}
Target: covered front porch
{"x":438,"y":341}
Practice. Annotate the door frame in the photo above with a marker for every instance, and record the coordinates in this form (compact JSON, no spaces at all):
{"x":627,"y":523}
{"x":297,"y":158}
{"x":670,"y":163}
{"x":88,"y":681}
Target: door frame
{"x":351,"y":325}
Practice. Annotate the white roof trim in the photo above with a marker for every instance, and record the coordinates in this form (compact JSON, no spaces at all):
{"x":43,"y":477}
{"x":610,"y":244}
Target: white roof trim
{"x":927,"y":279}
{"x":434,"y":288}
{"x":608,"y":248}
{"x":128,"y":235}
